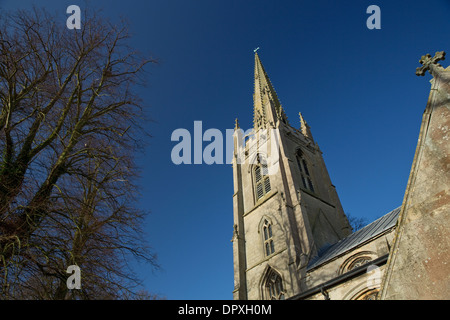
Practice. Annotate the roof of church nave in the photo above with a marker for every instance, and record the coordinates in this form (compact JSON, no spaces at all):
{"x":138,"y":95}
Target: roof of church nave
{"x":357,"y":238}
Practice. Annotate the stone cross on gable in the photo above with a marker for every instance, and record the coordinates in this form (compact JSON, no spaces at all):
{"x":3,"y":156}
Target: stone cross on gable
{"x":428,"y":63}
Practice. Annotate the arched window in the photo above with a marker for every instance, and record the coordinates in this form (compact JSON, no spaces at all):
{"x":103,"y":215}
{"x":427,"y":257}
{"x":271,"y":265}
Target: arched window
{"x":262,"y":181}
{"x":368,"y":295}
{"x":269,"y":246}
{"x":273,"y":286}
{"x":357,"y":260}
{"x":304,"y":172}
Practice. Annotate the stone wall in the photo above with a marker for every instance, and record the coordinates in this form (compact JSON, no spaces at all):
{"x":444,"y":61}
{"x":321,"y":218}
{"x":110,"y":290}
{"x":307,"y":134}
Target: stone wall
{"x":418,"y":267}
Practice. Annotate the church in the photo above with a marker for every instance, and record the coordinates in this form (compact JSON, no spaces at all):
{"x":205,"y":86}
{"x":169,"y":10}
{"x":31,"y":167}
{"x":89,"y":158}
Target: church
{"x":291,"y":237}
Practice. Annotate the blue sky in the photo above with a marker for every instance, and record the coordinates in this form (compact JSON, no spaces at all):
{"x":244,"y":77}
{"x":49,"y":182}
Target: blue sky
{"x":355,"y":87}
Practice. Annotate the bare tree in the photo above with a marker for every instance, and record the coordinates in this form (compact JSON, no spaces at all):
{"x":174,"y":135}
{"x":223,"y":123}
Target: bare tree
{"x":70,"y":123}
{"x":356,"y":222}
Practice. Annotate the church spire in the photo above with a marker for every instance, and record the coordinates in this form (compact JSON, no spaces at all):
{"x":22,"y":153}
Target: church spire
{"x":266,"y":106}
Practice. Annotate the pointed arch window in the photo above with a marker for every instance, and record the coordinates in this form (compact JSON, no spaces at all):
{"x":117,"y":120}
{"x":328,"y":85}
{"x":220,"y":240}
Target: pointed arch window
{"x":304,"y":172}
{"x":273,"y":288}
{"x":269,"y":245}
{"x":262,"y":181}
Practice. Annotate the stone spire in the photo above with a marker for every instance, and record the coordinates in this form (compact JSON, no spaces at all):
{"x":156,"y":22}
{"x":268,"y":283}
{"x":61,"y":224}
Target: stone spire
{"x":267,"y":108}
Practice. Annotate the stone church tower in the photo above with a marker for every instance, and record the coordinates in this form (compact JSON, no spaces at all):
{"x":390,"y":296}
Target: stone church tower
{"x":286,"y":209}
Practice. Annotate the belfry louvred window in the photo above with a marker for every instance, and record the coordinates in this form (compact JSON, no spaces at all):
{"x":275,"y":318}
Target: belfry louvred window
{"x":262,"y":181}
{"x":304,"y":172}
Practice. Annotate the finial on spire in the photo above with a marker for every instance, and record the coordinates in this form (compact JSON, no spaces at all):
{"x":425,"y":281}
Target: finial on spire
{"x":236,"y":124}
{"x":254,"y":50}
{"x":428,"y":63}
